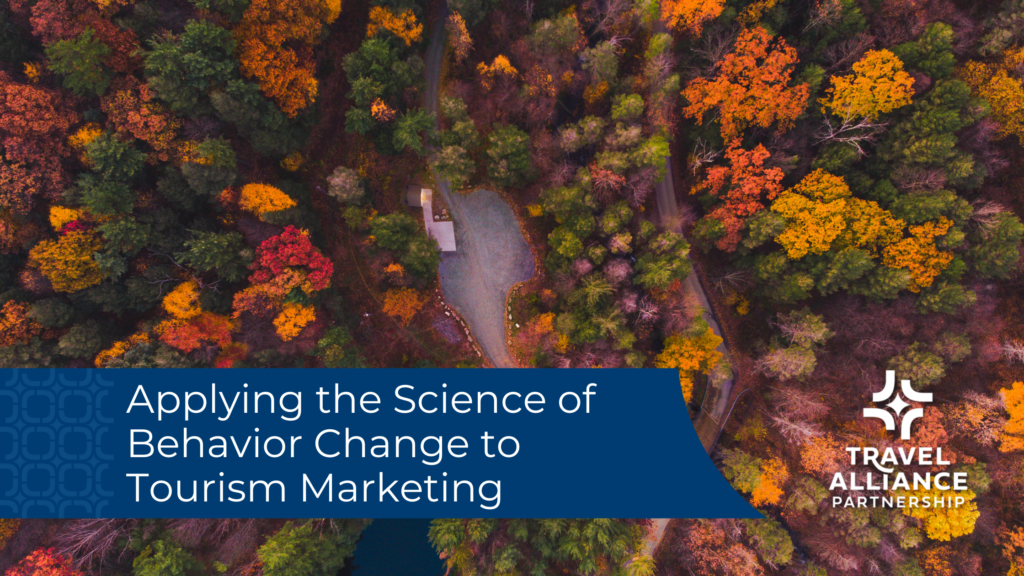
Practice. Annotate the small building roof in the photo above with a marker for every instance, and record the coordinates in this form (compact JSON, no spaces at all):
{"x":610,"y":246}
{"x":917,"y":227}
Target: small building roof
{"x":413,"y":195}
{"x":444,"y":233}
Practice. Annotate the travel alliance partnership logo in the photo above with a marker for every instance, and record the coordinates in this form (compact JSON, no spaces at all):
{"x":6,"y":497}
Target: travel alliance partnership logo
{"x":884,"y":484}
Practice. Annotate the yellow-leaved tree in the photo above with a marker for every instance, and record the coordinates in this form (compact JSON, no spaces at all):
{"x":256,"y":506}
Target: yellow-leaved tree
{"x":263,"y":198}
{"x":690,"y":354}
{"x":183,"y":301}
{"x":68,"y":262}
{"x":821,"y":214}
{"x":947,"y":522}
{"x":877,"y":86}
{"x":999,"y":84}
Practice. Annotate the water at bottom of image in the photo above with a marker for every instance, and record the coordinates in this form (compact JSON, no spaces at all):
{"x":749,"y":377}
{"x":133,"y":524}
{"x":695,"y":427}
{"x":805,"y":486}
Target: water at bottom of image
{"x":395,"y":547}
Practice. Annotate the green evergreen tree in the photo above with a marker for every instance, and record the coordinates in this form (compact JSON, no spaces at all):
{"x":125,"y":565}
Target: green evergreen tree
{"x":80,"y":61}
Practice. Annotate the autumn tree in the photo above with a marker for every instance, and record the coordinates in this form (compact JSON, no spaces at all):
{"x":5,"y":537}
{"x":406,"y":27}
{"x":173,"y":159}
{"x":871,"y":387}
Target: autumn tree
{"x":291,"y":260}
{"x":740,"y":188}
{"x":769,"y":490}
{"x":189,"y":334}
{"x":458,"y":36}
{"x":275,"y":41}
{"x":403,"y":304}
{"x":34,"y":124}
{"x":877,"y":86}
{"x":751,"y":87}
{"x":919,"y":254}
{"x":68,"y":262}
{"x":16,"y":325}
{"x":401,"y":23}
{"x":292,"y":319}
{"x":262,"y":198}
{"x":538,"y":546}
{"x":132,"y":108}
{"x":345,"y":186}
{"x":43,"y":562}
{"x":712,"y":551}
{"x":691,"y":354}
{"x":690,"y":15}
{"x":1012,"y":436}
{"x":1001,"y":87}
{"x":944,"y":523}
{"x":821,"y":214}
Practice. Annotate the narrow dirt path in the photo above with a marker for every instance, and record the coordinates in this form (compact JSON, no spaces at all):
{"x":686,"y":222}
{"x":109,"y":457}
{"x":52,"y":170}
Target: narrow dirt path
{"x":491,"y":255}
{"x":708,"y":422}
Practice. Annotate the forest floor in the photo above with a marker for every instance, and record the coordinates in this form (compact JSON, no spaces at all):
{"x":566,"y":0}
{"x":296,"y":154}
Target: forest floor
{"x":491,"y":255}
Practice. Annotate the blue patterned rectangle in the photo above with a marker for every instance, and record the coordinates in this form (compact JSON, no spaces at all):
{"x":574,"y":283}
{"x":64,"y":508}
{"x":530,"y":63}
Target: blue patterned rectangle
{"x":54,"y":445}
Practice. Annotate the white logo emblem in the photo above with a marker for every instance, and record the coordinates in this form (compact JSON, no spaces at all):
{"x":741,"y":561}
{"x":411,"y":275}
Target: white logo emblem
{"x":897,"y":404}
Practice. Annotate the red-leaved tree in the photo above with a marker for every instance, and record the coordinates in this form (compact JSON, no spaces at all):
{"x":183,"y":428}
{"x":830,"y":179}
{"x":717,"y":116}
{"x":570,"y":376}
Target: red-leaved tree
{"x":741,"y":188}
{"x":281,"y":255}
{"x":34,"y":123}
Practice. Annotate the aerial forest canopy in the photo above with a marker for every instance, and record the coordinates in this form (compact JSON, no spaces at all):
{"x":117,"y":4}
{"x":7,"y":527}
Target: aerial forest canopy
{"x":779,"y":199}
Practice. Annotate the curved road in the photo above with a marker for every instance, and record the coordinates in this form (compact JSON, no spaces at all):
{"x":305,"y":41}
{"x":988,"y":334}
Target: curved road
{"x":491,"y":255}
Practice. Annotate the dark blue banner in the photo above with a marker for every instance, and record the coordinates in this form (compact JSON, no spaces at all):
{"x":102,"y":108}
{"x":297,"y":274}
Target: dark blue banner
{"x":396,"y":443}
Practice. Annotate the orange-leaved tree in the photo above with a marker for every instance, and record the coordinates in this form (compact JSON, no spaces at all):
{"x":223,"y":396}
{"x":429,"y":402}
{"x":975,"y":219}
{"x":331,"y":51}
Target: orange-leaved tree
{"x":740,"y":188}
{"x":292,"y":319}
{"x":690,"y":15}
{"x":403,"y":304}
{"x":919,"y":255}
{"x":751,"y":87}
{"x":877,"y":86}
{"x":275,"y":41}
{"x":68,"y":261}
{"x":15,"y":324}
{"x":774,"y":474}
{"x":188,"y":335}
{"x":1011,"y":438}
{"x":401,"y":23}
{"x":132,"y":108}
